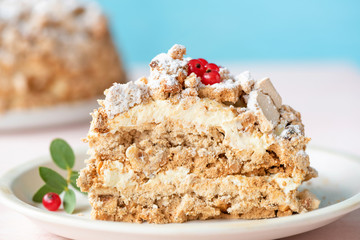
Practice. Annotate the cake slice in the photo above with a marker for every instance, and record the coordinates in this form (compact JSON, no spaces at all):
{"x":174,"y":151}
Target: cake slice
{"x":54,"y":52}
{"x":193,"y":142}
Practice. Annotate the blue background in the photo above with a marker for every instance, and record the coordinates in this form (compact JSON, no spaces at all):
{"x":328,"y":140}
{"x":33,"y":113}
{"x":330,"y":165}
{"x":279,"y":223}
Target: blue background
{"x":232,"y":30}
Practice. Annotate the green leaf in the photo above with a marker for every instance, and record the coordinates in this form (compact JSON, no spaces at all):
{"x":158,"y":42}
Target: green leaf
{"x":62,"y":154}
{"x":52,"y":179}
{"x":73,"y":177}
{"x":38,"y":196}
{"x":69,"y":201}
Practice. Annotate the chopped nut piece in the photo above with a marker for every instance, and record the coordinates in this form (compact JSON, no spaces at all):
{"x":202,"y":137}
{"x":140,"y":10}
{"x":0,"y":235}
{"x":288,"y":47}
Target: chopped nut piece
{"x":136,"y":158}
{"x":267,"y":87}
{"x":265,"y":110}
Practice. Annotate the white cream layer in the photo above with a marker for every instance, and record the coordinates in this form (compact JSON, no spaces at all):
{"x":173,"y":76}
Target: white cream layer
{"x":203,"y":114}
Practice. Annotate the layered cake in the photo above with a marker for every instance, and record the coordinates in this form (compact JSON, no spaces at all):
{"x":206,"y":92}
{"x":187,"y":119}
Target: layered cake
{"x":54,"y":51}
{"x":191,"y":141}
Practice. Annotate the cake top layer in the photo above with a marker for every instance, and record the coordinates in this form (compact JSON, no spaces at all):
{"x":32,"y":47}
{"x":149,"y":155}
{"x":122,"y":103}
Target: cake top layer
{"x":173,"y":77}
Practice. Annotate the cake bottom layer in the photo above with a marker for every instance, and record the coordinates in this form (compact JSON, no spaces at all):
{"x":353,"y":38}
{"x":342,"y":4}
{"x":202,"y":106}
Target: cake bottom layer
{"x":184,"y":208}
{"x":179,"y":195}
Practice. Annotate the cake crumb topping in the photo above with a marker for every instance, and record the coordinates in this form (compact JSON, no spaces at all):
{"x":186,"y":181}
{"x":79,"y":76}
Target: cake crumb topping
{"x":246,"y":81}
{"x":171,"y":78}
{"x":168,"y":71}
{"x":177,"y":51}
{"x":121,"y":97}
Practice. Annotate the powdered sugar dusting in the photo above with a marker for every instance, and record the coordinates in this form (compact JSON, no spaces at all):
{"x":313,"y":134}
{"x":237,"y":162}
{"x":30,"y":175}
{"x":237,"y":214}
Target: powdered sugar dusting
{"x":165,"y":68}
{"x":169,"y":79}
{"x":227,"y":81}
{"x":121,"y":97}
{"x":246,"y":81}
{"x":245,"y":77}
{"x":290,"y":131}
{"x":177,"y":51}
{"x":302,"y":153}
{"x":252,"y":103}
{"x":225,"y":74}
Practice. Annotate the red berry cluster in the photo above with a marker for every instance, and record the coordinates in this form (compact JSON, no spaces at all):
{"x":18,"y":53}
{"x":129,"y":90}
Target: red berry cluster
{"x":208,"y":72}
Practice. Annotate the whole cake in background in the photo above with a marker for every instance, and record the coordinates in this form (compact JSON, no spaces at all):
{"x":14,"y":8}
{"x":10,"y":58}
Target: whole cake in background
{"x":54,"y":51}
{"x":192,"y":141}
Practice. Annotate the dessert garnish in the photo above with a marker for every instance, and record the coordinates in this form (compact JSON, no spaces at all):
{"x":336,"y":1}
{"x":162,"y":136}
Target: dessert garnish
{"x":211,"y":77}
{"x":51,"y":201}
{"x":55,"y":184}
{"x":196,"y":66}
{"x":208,"y":72}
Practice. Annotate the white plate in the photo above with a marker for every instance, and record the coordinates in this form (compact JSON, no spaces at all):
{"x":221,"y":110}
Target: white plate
{"x":47,"y":116}
{"x":338,"y":186}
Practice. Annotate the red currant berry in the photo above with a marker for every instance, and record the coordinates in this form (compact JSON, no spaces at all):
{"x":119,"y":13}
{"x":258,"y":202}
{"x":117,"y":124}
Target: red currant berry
{"x":211,"y":67}
{"x":51,"y":201}
{"x":195,"y":66}
{"x":210,"y":78}
{"x":203,"y":61}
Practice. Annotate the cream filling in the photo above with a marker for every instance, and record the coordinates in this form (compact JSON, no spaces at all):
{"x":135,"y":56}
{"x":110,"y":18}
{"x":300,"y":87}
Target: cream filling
{"x":180,"y":181}
{"x":286,"y":184}
{"x":203,"y":114}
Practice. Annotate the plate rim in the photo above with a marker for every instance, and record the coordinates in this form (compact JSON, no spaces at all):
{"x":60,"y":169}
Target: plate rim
{"x":36,"y":109}
{"x":10,"y":200}
{"x":29,"y":114}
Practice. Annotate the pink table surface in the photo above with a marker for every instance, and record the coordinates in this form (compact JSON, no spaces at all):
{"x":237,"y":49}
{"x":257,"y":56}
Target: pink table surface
{"x":327,"y":95}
